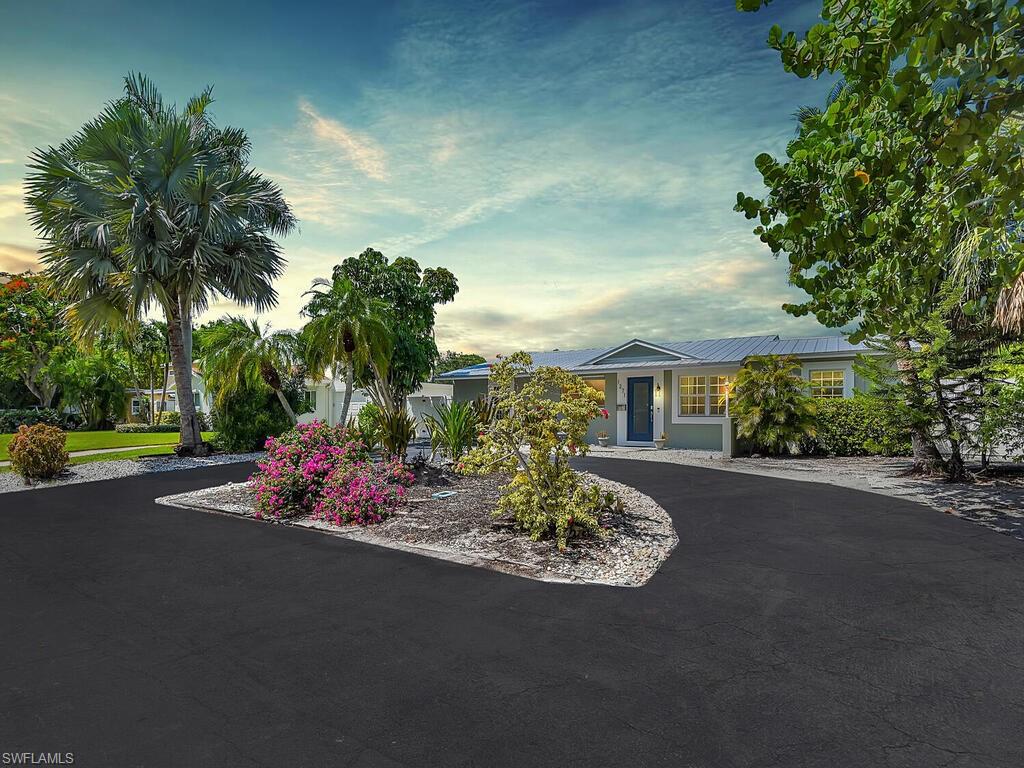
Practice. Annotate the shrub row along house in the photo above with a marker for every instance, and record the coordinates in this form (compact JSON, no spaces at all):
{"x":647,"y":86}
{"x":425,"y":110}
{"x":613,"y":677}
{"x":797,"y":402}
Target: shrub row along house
{"x":681,"y":389}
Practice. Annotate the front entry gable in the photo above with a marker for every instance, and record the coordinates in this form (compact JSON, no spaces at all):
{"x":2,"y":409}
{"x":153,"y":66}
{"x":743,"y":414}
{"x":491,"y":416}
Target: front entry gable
{"x":637,"y":351}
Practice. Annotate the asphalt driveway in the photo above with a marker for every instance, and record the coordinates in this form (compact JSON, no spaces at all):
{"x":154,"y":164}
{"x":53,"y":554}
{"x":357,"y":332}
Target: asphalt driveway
{"x":796,"y":625}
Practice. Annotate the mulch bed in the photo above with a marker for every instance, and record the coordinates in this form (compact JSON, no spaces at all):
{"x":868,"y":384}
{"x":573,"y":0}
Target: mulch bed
{"x":461,"y":528}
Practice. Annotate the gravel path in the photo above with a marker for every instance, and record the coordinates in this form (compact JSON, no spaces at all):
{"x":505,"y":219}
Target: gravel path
{"x":996,"y":503}
{"x":108,"y":470}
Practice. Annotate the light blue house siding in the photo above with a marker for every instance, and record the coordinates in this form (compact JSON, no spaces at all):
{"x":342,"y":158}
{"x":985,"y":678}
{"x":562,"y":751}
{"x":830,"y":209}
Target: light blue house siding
{"x":467,"y":390}
{"x":681,"y":387}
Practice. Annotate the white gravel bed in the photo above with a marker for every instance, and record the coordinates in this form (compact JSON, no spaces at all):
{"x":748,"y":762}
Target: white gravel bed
{"x":994,"y":503}
{"x":461,"y":529}
{"x":115,"y":468}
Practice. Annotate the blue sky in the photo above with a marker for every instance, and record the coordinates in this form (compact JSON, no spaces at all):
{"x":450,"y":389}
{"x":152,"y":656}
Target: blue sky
{"x":575,"y":165}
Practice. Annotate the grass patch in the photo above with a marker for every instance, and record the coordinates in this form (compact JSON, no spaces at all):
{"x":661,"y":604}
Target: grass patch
{"x":132,"y":453}
{"x":85,"y":441}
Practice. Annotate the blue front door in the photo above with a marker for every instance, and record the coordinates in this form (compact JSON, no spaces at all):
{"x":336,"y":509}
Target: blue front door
{"x":640,"y":409}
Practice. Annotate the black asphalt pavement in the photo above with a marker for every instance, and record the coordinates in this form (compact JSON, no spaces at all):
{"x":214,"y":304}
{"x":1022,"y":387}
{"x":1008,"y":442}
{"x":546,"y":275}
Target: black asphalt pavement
{"x":796,"y":625}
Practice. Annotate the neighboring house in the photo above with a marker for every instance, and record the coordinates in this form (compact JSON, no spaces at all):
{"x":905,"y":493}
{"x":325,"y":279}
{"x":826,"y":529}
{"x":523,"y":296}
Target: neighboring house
{"x":680,"y":388}
{"x":137,"y":399}
{"x":326,"y":399}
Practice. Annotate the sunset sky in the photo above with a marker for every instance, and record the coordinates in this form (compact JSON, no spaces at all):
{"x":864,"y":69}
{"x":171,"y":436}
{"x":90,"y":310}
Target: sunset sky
{"x":575,"y":165}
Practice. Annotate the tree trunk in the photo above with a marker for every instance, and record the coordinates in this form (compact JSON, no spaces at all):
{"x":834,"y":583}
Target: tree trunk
{"x":380,"y":390}
{"x":151,"y":412}
{"x":163,"y":395}
{"x":42,"y":390}
{"x":350,"y":381}
{"x":955,"y":468}
{"x":286,"y":405}
{"x":926,"y":456}
{"x":179,"y":332}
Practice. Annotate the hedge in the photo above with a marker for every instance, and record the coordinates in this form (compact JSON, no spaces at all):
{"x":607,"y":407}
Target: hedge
{"x":861,"y":426}
{"x":12,"y":418}
{"x":149,"y":428}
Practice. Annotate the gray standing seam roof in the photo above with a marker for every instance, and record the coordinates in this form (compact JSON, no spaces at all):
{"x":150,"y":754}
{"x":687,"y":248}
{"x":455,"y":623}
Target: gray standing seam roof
{"x":699,"y":352}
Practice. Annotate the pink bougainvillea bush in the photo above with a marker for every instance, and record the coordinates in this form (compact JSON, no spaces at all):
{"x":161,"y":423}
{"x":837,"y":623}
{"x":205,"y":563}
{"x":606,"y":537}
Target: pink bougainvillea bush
{"x":292,"y":477}
{"x":363,"y":493}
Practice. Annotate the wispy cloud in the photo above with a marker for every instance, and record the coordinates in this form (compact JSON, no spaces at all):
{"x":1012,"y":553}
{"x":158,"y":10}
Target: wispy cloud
{"x":719,"y":297}
{"x":360,"y":150}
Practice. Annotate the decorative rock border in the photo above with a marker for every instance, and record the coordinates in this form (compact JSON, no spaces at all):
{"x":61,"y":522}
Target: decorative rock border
{"x":639,"y":540}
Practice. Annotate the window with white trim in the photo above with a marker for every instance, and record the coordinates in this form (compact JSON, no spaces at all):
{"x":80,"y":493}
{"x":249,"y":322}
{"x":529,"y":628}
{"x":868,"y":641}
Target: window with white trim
{"x":136,"y":406}
{"x":309,"y":399}
{"x":693,"y":392}
{"x":719,"y":395}
{"x":828,"y":384}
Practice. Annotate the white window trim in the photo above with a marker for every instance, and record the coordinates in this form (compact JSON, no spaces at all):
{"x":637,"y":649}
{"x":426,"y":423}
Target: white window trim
{"x":706,"y":417}
{"x":846,"y":366}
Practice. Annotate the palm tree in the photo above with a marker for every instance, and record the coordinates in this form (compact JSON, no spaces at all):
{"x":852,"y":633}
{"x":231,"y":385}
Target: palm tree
{"x":151,"y":206}
{"x":238,"y":354}
{"x":771,"y":405}
{"x":350,"y":329}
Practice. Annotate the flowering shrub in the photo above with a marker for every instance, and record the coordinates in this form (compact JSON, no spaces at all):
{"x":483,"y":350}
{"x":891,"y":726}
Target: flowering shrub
{"x":363,"y":493}
{"x":38,"y":451}
{"x":298,"y":463}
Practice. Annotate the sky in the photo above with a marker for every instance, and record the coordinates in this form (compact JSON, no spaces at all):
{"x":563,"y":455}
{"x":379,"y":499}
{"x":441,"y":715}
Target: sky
{"x":574,"y":164}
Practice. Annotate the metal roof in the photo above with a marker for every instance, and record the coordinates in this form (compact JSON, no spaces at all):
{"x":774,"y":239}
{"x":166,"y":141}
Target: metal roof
{"x":692,"y":353}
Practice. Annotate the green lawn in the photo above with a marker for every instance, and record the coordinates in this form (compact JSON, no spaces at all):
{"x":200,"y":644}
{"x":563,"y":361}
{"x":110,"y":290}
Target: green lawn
{"x":84,"y":441}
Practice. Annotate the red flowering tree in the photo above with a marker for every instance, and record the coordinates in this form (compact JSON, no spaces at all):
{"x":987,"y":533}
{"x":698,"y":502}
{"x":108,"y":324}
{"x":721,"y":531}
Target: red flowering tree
{"x":32,"y":333}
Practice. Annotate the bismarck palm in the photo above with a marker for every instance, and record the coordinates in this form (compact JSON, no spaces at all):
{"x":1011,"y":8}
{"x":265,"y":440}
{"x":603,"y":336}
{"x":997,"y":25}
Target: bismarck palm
{"x":148,"y":205}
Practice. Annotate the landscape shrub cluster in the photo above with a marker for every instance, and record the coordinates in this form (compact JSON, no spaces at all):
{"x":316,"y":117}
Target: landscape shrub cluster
{"x":12,"y":418}
{"x":327,"y":472}
{"x":859,"y":426}
{"x":363,"y":493}
{"x":137,"y":428}
{"x":38,"y":451}
{"x":293,"y":474}
{"x":247,"y":417}
{"x":545,"y":497}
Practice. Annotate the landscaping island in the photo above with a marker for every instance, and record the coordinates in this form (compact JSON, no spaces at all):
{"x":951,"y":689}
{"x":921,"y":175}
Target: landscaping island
{"x":507,"y":498}
{"x":462,"y":529}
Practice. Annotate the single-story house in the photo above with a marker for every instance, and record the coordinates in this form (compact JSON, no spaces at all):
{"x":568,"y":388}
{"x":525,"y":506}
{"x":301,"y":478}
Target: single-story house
{"x":326,"y":398}
{"x":138,"y":399}
{"x":680,"y":388}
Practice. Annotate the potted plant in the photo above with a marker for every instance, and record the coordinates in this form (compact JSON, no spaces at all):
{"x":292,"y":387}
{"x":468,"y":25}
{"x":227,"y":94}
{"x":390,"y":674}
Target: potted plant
{"x":602,"y":439}
{"x":659,"y":442}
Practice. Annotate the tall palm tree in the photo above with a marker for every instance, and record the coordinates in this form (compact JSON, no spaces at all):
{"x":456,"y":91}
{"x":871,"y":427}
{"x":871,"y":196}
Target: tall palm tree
{"x":239,"y":354}
{"x":151,"y":206}
{"x":349,"y":329}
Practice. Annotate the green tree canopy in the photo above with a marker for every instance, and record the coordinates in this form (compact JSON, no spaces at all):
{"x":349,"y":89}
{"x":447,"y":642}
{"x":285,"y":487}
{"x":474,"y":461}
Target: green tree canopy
{"x":239,"y":354}
{"x":410,"y":296}
{"x":148,"y":205}
{"x":32,"y":333}
{"x":919,"y":154}
{"x":346,"y":328}
{"x":452,"y":361}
